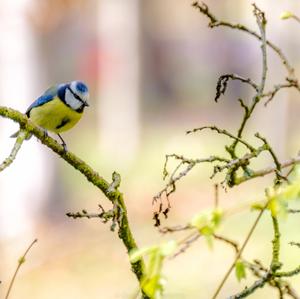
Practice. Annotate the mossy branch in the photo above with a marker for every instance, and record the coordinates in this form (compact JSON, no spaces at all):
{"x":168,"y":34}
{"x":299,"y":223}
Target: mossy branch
{"x":109,"y":189}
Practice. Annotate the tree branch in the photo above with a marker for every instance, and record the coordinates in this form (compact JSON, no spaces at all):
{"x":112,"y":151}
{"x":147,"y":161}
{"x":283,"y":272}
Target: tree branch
{"x":115,"y":196}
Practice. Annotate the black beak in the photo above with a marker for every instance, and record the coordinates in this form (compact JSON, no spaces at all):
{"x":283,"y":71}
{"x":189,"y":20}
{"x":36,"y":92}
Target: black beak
{"x":86,"y":104}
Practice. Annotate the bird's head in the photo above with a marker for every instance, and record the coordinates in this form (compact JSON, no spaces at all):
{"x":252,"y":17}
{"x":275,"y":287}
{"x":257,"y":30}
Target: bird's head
{"x":77,"y":95}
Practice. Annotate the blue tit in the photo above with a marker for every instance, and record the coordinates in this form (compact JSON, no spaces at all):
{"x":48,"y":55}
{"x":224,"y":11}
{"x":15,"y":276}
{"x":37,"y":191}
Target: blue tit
{"x":59,"y":108}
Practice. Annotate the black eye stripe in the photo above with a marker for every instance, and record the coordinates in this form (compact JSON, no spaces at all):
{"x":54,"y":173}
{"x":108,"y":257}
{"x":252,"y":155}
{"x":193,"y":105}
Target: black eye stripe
{"x":75,"y":95}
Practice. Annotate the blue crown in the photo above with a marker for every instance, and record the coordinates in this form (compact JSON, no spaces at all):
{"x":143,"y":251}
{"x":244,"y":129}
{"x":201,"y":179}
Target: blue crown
{"x":81,"y":87}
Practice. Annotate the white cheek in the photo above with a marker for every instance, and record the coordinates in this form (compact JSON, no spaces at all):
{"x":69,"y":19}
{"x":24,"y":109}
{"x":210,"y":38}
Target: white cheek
{"x":72,"y":101}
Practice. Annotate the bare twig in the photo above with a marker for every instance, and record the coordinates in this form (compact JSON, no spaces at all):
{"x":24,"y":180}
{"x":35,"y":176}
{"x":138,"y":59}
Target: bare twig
{"x":238,"y":255}
{"x":228,"y":241}
{"x":186,"y":242}
{"x":21,"y":261}
{"x":19,"y":141}
{"x":266,"y":171}
{"x":273,"y":155}
{"x":257,"y":284}
{"x":223,"y":81}
{"x":271,"y":94}
{"x":224,"y":132}
{"x":296,"y":18}
{"x":214,"y":22}
{"x":174,"y":229}
{"x":216,"y":202}
{"x":174,"y":177}
{"x":293,"y":211}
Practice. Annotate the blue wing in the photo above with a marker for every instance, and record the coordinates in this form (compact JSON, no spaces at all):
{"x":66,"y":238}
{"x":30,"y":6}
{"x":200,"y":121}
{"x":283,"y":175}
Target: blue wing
{"x":46,"y":97}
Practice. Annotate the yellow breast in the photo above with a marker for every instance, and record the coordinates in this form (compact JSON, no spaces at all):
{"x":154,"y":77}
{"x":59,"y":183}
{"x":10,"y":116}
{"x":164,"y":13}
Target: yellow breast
{"x":55,"y":116}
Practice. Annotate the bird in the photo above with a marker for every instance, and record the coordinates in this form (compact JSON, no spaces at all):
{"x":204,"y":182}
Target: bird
{"x":59,"y":108}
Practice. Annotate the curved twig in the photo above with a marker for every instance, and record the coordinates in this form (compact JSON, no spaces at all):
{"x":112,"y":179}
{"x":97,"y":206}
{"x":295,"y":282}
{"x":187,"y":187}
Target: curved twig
{"x":21,"y":261}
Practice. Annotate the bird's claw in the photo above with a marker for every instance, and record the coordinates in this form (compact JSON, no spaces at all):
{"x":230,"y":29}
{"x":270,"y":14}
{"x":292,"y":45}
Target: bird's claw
{"x":65,"y":147}
{"x":45,"y":132}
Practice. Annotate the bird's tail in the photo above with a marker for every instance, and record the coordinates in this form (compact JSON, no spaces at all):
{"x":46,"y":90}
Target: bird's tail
{"x":16,"y":134}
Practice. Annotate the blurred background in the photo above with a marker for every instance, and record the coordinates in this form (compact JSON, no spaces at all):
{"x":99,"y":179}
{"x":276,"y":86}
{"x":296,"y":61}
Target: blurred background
{"x":151,"y":67}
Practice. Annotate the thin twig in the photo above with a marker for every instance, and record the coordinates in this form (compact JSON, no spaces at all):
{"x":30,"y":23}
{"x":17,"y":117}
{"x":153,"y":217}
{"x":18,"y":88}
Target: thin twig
{"x":21,"y":261}
{"x":296,"y":18}
{"x":228,"y":241}
{"x":23,"y":135}
{"x":239,"y":162}
{"x":293,"y":211}
{"x":216,"y":202}
{"x":174,"y":177}
{"x":186,"y":242}
{"x":266,"y":171}
{"x":223,"y":82}
{"x":257,"y":284}
{"x":261,"y":22}
{"x":174,"y":229}
{"x":238,"y":255}
{"x":223,"y":132}
{"x":214,"y":22}
{"x":273,"y":155}
{"x":271,"y":94}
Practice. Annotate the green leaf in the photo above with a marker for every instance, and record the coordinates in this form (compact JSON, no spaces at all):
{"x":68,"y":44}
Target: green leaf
{"x":200,"y":220}
{"x":240,"y":270}
{"x":152,"y":282}
{"x":206,"y":222}
{"x":155,"y":263}
{"x":286,"y":15}
{"x":217,"y":216}
{"x":279,"y":197}
{"x":168,"y":248}
{"x":153,"y":287}
{"x":258,"y":205}
{"x":206,"y":230}
{"x":278,"y":207}
{"x":209,"y":240}
{"x":137,"y":254}
{"x":290,"y":192}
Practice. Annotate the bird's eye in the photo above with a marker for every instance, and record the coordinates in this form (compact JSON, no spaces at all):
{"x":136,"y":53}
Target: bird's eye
{"x":81,"y":87}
